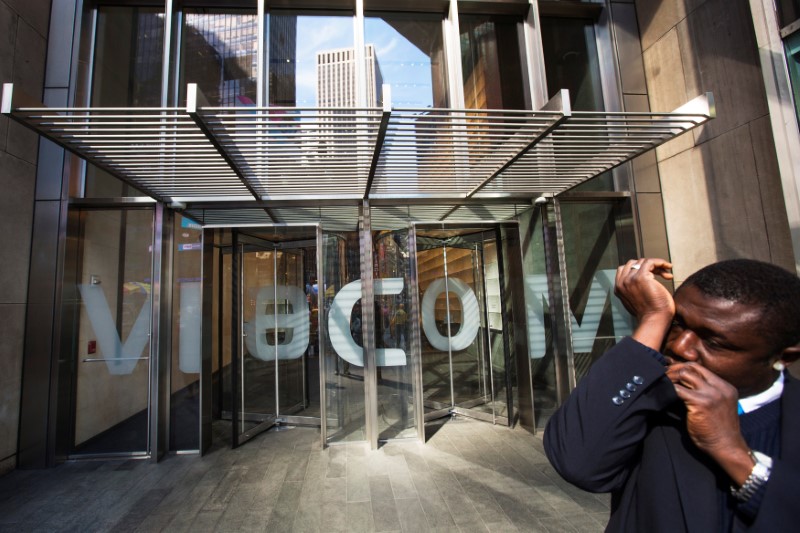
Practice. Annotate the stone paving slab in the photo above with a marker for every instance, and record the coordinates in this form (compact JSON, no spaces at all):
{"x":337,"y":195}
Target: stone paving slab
{"x":469,"y":477}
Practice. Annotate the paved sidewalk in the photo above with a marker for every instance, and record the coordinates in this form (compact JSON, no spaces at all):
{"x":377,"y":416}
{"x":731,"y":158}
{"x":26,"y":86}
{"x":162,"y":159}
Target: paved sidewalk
{"x":471,"y":476}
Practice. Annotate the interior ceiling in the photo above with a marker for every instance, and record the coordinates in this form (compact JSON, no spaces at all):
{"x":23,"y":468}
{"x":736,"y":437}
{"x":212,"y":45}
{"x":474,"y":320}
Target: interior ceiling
{"x":296,"y":165}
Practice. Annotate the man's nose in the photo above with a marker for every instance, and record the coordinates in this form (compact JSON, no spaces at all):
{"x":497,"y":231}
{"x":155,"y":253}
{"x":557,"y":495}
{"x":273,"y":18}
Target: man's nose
{"x":684,"y":345}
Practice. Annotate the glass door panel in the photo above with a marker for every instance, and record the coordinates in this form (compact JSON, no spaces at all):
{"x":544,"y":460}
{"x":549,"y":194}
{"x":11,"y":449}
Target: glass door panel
{"x":500,"y":330}
{"x":109,"y":310}
{"x":292,"y":336}
{"x":465,"y":335}
{"x":255,"y":383}
{"x":435,"y":349}
{"x":467,"y":343}
{"x":344,"y":417}
{"x":270,"y":303}
{"x":393,"y":336}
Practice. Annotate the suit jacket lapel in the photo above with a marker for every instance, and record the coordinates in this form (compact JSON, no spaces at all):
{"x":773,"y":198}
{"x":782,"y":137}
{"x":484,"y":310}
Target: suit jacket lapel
{"x":790,"y":428}
{"x":695,"y":481}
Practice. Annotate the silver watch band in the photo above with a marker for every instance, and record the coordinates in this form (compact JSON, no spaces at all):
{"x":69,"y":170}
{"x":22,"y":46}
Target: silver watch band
{"x":758,"y":477}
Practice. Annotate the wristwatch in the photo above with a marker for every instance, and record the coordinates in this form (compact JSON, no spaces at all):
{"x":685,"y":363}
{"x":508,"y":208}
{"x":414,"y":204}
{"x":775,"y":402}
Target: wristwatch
{"x":757,"y":478}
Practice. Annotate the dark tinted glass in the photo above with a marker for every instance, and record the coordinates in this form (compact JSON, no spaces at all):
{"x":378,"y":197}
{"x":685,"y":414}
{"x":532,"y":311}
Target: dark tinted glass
{"x":570,"y":59}
{"x":491,"y":62}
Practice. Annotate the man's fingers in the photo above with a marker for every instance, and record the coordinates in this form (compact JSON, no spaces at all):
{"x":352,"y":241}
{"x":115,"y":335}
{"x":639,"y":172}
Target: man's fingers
{"x":646,"y":266}
{"x":690,"y":375}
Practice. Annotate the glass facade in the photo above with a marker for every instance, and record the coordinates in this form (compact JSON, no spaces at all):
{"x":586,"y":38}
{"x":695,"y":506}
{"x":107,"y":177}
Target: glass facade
{"x":128,"y":58}
{"x":597,"y":239}
{"x":187,"y":324}
{"x":491,"y":62}
{"x":571,"y":62}
{"x":788,"y":11}
{"x":408,"y":52}
{"x":792,"y":46}
{"x":311,"y":60}
{"x":219,"y":54}
{"x":266,"y":322}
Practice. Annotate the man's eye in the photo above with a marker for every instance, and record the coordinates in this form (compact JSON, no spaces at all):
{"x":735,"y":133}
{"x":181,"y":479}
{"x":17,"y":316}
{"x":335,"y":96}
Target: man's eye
{"x":711,"y":343}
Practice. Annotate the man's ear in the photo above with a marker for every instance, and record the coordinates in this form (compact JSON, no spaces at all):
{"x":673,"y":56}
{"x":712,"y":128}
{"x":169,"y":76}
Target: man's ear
{"x":790,"y":354}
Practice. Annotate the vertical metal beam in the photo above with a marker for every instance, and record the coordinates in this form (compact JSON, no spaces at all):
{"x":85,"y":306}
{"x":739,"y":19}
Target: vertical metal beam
{"x":782,"y":114}
{"x":275,"y":331}
{"x":262,"y":68}
{"x":452,"y":50}
{"x":516,"y":271}
{"x":487,"y":333}
{"x":611,"y":84}
{"x":534,"y":56}
{"x":236,"y":300}
{"x":45,"y":374}
{"x":322,"y":332}
{"x":40,"y":361}
{"x":416,"y":338}
{"x":359,"y":56}
{"x":448,"y":318}
{"x":208,"y":277}
{"x":368,"y":326}
{"x":160,"y":332}
{"x":177,"y":36}
{"x":166,"y":53}
{"x":506,"y":302}
{"x":564,"y":299}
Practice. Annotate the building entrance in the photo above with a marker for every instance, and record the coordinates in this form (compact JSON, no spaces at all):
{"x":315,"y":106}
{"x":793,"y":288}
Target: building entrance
{"x":465,"y":335}
{"x":270,"y":374}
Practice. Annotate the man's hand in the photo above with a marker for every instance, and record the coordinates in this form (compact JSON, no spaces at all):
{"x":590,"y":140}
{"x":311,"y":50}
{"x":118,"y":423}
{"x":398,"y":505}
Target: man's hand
{"x":645,"y":298}
{"x":712,"y":419}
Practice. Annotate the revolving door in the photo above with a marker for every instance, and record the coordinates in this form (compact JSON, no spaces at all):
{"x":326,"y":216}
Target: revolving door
{"x":466,"y":338}
{"x":268,"y":366}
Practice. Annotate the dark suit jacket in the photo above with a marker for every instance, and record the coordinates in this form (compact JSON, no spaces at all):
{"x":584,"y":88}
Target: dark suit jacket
{"x":640,"y":451}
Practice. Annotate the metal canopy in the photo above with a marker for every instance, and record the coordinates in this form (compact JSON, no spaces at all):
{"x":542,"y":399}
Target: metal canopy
{"x":319,"y":156}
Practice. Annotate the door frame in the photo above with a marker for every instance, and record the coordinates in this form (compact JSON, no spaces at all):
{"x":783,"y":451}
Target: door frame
{"x":416,"y":347}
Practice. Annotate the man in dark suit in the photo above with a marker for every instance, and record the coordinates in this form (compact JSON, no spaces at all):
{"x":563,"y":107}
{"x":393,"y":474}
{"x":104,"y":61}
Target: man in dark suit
{"x":692,"y":423}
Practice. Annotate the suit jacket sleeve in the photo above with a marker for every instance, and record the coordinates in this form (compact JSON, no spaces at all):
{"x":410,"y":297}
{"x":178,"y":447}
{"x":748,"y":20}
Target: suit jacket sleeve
{"x":593,"y":440}
{"x":777,"y":510}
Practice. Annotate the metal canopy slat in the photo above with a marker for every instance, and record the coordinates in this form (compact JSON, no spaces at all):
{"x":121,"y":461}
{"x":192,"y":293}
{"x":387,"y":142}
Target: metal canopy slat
{"x":218,"y":154}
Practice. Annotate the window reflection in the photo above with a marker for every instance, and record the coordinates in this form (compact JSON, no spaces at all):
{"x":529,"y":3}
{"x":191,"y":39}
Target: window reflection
{"x":597,"y":239}
{"x":788,"y":11}
{"x":571,"y":62}
{"x":128,"y":57}
{"x":297,"y":45}
{"x":219,"y":53}
{"x":491,"y":62}
{"x":409,"y":56}
{"x":570,"y":59}
{"x":792,"y":44}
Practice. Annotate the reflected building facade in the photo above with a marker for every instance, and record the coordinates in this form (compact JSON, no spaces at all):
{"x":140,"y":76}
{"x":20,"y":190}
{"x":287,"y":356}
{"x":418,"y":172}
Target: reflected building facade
{"x":147,"y":324}
{"x":337,"y":83}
